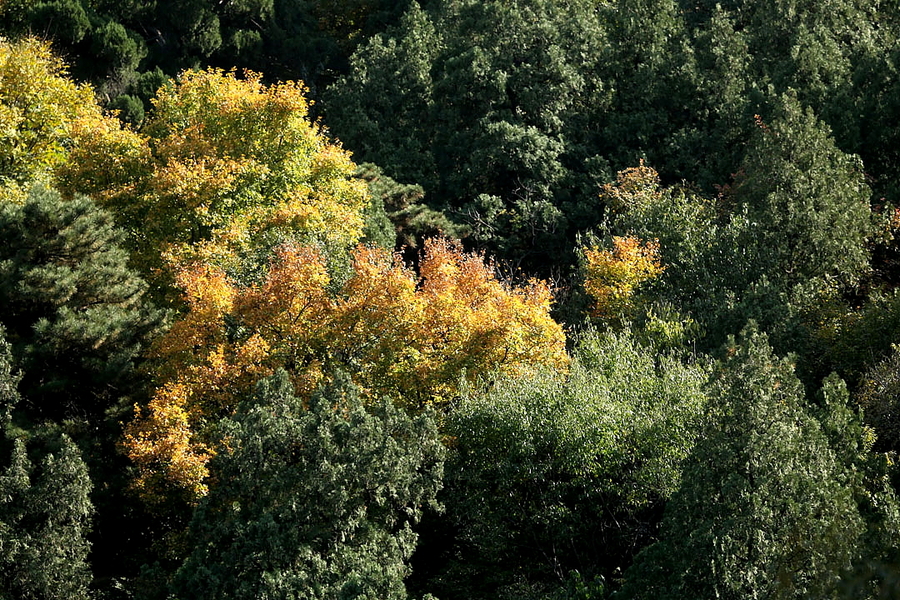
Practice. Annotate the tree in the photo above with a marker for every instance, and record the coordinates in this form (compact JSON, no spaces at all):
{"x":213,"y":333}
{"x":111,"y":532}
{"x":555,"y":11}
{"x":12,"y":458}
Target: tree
{"x":489,"y":106}
{"x":45,"y":508}
{"x":612,"y":276}
{"x":807,"y":202}
{"x":411,"y":221}
{"x":879,"y":396}
{"x":224,"y":169}
{"x":44,"y":520}
{"x":779,"y":246}
{"x":555,"y":478}
{"x":313,"y":502}
{"x":651,"y":68}
{"x":40,"y":111}
{"x":412,"y":338}
{"x":764,"y":509}
{"x":75,"y":314}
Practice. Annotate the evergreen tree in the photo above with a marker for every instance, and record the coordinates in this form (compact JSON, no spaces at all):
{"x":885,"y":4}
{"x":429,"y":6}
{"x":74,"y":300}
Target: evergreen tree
{"x":74,"y":312}
{"x":313,"y":502}
{"x":806,"y":202}
{"x":764,"y":509}
{"x":45,"y":508}
{"x":490,"y":106}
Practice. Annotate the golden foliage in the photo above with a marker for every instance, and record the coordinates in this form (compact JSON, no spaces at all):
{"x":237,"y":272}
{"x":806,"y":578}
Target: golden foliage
{"x":414,"y":338}
{"x":41,"y":114}
{"x":223,"y":164}
{"x":612,"y":276}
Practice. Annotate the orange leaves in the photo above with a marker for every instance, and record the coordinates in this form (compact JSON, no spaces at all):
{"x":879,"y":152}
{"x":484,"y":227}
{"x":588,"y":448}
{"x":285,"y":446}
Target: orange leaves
{"x":412,"y":338}
{"x":293,"y":293}
{"x":161,"y":444}
{"x":474,"y":324}
{"x":612,"y":276}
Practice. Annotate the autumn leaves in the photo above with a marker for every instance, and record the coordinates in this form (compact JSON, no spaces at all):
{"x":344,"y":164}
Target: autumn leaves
{"x":240,"y":205}
{"x":413,"y":338}
{"x":246,"y":220}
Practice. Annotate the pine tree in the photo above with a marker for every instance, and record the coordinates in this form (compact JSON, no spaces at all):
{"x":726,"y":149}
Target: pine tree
{"x":764,"y":510}
{"x":75,"y":313}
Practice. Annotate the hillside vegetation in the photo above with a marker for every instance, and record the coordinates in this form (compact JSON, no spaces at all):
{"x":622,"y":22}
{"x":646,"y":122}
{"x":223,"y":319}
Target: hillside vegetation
{"x":456,"y":299}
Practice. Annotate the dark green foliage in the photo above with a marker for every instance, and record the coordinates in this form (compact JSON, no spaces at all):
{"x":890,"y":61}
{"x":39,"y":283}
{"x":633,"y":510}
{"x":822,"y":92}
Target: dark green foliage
{"x":65,"y":20}
{"x":312,"y":503}
{"x":651,"y":68}
{"x":398,"y":216}
{"x":390,"y":76}
{"x":73,"y":311}
{"x":778,"y":247}
{"x":876,"y":98}
{"x":800,"y":228}
{"x":113,"y":46}
{"x":879,"y":396}
{"x":44,"y":520}
{"x":807,"y":202}
{"x":45,"y":508}
{"x":487,"y":105}
{"x":9,"y":381}
{"x":555,"y":480}
{"x":131,"y":109}
{"x":765,"y":509}
{"x":113,"y":43}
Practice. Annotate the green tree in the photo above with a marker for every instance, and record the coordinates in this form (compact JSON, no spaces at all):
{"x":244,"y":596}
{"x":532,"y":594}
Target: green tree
{"x":764,"y":509}
{"x":868,"y":474}
{"x":44,"y":521}
{"x":559,"y":478}
{"x":391,"y":76}
{"x":650,"y":66}
{"x":399,"y":217}
{"x":45,"y":508}
{"x":779,"y":246}
{"x":313,"y":502}
{"x":120,"y":51}
{"x":807,"y":202}
{"x":488,"y":106}
{"x":74,"y":313}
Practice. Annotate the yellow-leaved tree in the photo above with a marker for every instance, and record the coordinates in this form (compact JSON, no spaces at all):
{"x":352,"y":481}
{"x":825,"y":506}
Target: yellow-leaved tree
{"x":612,"y":276}
{"x":411,"y":337}
{"x":42,"y":114}
{"x":224,"y":169}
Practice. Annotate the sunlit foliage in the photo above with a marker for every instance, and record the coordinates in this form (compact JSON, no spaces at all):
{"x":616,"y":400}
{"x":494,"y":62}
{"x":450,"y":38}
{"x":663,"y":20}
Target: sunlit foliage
{"x":613,"y":276}
{"x":565,"y":474}
{"x":412,"y":337}
{"x":224,"y":166}
{"x":41,"y":111}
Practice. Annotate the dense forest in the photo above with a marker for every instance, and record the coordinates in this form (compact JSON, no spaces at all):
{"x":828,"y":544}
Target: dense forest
{"x":449,"y":299}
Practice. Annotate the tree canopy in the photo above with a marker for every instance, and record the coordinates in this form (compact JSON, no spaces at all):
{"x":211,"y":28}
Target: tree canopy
{"x":631,"y":267}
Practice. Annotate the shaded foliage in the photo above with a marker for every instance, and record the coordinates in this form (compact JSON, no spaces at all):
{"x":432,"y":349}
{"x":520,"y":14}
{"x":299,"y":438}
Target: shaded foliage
{"x":486,"y":105}
{"x":45,"y":510}
{"x":75,"y":314}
